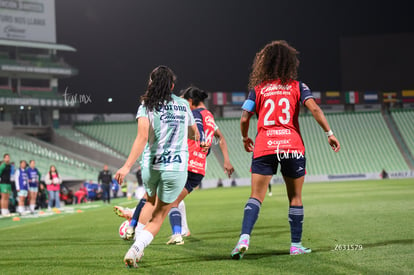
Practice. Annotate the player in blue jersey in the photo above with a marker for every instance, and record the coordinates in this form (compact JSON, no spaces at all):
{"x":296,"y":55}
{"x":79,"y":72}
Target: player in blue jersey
{"x":165,"y":122}
{"x":34,"y":179}
{"x":21,"y":180}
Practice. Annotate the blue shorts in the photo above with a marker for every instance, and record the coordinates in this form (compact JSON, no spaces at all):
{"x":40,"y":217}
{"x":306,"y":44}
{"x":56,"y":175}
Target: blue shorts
{"x":291,"y":167}
{"x":193,"y":180}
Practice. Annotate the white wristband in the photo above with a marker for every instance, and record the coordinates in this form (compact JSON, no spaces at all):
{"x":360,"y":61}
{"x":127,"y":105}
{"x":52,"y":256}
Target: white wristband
{"x":329,"y":133}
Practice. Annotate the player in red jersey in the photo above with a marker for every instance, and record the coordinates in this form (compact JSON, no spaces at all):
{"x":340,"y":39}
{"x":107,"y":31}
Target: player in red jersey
{"x":275,"y":98}
{"x":197,"y":157}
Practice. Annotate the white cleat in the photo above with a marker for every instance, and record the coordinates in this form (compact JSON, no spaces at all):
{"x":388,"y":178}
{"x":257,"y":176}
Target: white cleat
{"x":176,"y":239}
{"x":132,"y":257}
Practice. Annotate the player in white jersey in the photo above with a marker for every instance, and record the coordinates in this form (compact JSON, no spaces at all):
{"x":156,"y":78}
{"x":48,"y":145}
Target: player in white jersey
{"x":165,"y":122}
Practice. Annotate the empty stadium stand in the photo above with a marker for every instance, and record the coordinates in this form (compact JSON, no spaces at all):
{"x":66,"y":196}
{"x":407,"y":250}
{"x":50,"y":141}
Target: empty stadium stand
{"x":21,"y":149}
{"x":367,"y":145}
{"x":83,"y":139}
{"x":118,"y":136}
{"x":366,"y":141}
{"x":404,"y":119}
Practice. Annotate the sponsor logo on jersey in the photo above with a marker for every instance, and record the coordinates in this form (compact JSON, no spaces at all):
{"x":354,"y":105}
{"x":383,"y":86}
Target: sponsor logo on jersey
{"x":275,"y":89}
{"x":271,"y":133}
{"x":209,"y":121}
{"x":170,"y":117}
{"x":199,"y":154}
{"x":278,"y":142}
{"x":196,"y":163}
{"x":166,"y":158}
{"x":175,"y":107}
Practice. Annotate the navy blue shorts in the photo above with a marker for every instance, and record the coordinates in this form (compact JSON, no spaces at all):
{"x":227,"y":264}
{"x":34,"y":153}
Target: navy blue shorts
{"x":193,"y":180}
{"x":291,"y":167}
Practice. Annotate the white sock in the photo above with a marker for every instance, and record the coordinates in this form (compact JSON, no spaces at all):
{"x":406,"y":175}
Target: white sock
{"x":32,"y":207}
{"x":143,"y":240}
{"x":184,"y":225}
{"x":20,"y":209}
{"x":4,"y":211}
{"x":139,"y":227}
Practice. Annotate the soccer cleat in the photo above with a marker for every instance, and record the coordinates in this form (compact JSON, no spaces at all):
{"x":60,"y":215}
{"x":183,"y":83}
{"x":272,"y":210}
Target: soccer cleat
{"x":270,"y":194}
{"x":132,"y":257}
{"x":176,"y":239}
{"x":297,"y":250}
{"x":123,"y":212}
{"x":241,"y":248}
{"x":185,"y":233}
{"x":130,"y":233}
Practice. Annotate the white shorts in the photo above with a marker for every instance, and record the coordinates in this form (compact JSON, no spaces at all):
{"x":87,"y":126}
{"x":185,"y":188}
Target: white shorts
{"x":22,"y":193}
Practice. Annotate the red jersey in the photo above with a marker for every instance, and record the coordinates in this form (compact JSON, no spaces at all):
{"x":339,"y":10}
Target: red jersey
{"x":277,"y":107}
{"x":206,"y":126}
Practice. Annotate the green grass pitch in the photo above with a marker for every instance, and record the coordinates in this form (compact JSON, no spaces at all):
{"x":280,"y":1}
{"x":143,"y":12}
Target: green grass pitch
{"x":377,"y":215}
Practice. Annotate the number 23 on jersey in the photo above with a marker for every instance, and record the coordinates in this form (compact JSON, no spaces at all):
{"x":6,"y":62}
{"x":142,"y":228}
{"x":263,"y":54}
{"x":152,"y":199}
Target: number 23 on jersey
{"x":283,"y":105}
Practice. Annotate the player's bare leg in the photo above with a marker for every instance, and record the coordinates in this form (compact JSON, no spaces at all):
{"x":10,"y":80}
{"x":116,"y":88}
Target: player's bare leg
{"x":5,"y":204}
{"x":32,"y":197}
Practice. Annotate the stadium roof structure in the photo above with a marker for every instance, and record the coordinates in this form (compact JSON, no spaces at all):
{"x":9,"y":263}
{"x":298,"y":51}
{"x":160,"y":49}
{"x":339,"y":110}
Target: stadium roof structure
{"x":29,"y":44}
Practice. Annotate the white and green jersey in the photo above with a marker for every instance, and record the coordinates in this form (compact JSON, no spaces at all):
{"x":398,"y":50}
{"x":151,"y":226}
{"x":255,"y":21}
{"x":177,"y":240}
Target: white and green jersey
{"x":167,"y":147}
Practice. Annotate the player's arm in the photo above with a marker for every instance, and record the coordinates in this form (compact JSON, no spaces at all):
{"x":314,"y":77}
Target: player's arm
{"x":228,"y":168}
{"x":2,"y":166}
{"x":244,"y":127}
{"x":137,"y":148}
{"x":323,"y":122}
{"x":16,"y":179}
{"x":249,"y":107}
{"x":193,"y":133}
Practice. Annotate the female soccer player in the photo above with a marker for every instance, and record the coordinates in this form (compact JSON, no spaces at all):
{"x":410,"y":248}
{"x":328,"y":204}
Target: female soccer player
{"x":196,"y":169}
{"x":5,"y":185}
{"x":275,"y":98}
{"x":21,"y":179}
{"x":34,"y":178}
{"x":197,"y":157}
{"x":164,"y":123}
{"x":53,"y":182}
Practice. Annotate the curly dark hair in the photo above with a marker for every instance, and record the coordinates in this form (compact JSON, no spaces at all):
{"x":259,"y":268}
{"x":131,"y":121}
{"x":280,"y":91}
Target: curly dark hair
{"x":159,"y":89}
{"x":196,"y":94}
{"x":277,"y":60}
